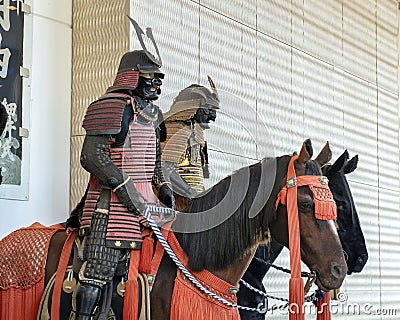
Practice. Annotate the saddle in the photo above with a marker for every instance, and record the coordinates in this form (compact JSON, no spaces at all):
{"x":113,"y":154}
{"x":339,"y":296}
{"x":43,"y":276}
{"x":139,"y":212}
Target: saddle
{"x":116,"y":303}
{"x":22,"y":276}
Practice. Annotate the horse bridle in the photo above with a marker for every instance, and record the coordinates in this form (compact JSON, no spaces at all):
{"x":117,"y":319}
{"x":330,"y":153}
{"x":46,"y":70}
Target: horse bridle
{"x":324,"y":204}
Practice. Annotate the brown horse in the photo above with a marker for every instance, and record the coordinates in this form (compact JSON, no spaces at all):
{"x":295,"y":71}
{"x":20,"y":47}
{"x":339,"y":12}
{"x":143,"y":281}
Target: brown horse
{"x":226,"y":250}
{"x":225,"y":244}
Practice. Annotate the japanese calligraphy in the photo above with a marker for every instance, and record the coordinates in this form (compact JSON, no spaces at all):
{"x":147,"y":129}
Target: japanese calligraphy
{"x":5,"y":54}
{"x":9,"y":162}
{"x":11,"y":60}
{"x":5,"y":9}
{"x":6,"y":139}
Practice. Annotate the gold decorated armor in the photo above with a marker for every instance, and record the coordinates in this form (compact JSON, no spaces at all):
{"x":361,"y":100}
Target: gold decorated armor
{"x":185,"y":140}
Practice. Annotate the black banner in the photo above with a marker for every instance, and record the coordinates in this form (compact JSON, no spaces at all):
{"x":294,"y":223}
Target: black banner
{"x":11,"y":54}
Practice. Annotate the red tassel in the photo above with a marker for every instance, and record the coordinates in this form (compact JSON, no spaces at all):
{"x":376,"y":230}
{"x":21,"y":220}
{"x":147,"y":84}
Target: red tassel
{"x":146,"y":255}
{"x":21,"y":303}
{"x":325,"y":210}
{"x":130,"y":310}
{"x":324,"y":307}
{"x":21,"y":299}
{"x":296,"y":299}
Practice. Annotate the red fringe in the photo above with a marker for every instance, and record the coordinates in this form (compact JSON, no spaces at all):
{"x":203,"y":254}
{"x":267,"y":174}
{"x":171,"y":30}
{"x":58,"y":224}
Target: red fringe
{"x":325,"y":210}
{"x":296,"y":299}
{"x":130,"y":309}
{"x":16,"y":303}
{"x":190,"y":304}
{"x":323,"y":307}
{"x":146,"y":255}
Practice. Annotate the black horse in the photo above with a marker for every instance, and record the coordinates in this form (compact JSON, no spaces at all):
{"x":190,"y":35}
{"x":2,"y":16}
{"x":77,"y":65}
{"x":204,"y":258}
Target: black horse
{"x":349,"y":229}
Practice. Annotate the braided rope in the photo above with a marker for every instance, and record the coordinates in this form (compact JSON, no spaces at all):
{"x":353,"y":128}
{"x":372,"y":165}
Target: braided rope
{"x":262,"y":293}
{"x":285,"y":270}
{"x":186,"y":272}
{"x":310,"y":298}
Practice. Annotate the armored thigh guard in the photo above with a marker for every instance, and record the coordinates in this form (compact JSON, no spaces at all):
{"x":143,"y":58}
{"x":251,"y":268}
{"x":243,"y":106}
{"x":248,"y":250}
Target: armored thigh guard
{"x":101,"y":261}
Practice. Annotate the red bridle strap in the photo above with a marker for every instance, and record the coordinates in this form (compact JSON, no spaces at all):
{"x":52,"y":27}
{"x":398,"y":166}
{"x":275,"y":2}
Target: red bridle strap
{"x":324,"y":204}
{"x":324,"y":208}
{"x":296,"y":284}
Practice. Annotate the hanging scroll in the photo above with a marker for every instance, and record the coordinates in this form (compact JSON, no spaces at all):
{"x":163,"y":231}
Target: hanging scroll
{"x":11,"y":107}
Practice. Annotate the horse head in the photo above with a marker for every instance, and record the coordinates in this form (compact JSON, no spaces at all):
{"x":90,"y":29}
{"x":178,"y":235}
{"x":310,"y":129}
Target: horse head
{"x":350,"y":233}
{"x":320,"y":246}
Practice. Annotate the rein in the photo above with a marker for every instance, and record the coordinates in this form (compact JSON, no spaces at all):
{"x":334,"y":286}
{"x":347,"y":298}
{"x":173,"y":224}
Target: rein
{"x":315,"y":297}
{"x":179,"y":264}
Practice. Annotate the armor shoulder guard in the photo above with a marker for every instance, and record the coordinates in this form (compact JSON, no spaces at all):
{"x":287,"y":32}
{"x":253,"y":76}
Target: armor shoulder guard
{"x":104,"y":115}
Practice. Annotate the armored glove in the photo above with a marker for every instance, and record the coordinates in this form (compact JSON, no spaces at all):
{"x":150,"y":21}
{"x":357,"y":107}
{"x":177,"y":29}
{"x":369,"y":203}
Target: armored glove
{"x":129,"y":196}
{"x":166,"y":196}
{"x":178,"y":184}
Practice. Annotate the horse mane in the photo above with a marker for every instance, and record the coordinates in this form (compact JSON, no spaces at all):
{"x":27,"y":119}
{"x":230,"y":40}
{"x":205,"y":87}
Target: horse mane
{"x":218,"y":245}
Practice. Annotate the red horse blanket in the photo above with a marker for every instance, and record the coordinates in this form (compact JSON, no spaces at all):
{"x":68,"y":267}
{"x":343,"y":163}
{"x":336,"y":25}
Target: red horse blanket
{"x":22,"y":271}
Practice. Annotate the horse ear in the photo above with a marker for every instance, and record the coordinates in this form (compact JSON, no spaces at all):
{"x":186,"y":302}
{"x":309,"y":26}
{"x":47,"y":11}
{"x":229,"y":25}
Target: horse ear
{"x":351,"y":165}
{"x":340,"y":162}
{"x":305,"y":152}
{"x":325,"y":155}
{"x":326,"y":169}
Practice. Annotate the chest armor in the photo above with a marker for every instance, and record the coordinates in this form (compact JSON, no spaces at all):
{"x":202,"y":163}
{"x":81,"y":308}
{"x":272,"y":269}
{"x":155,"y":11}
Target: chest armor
{"x":183,"y":147}
{"x":183,"y":143}
{"x":137,"y":159}
{"x":137,"y":156}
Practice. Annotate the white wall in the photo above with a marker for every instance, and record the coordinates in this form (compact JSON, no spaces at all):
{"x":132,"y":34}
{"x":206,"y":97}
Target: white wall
{"x":49,"y":25}
{"x":289,"y":70}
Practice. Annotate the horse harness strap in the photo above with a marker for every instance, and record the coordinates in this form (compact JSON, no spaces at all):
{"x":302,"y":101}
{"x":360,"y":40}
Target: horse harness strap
{"x":325,"y":206}
{"x":158,"y":255}
{"x":325,"y":209}
{"x":61,"y":270}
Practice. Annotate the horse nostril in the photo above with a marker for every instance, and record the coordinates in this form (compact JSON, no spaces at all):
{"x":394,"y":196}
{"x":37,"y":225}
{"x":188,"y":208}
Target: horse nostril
{"x":336,"y":270}
{"x":362,"y":259}
{"x":346,"y":256}
{"x":360,"y":263}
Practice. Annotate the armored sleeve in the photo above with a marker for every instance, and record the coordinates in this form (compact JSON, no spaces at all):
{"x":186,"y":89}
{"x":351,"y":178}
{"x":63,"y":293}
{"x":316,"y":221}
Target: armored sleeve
{"x":163,"y":186}
{"x":95,"y":160}
{"x":108,"y":116}
{"x":158,"y":177}
{"x":204,"y":160}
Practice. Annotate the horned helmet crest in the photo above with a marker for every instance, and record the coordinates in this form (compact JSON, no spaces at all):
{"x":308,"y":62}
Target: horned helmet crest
{"x":138,"y":61}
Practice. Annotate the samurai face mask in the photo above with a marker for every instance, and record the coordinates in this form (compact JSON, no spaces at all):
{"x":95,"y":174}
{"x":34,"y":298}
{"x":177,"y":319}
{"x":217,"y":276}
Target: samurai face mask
{"x":204,"y":115}
{"x":148,"y":87}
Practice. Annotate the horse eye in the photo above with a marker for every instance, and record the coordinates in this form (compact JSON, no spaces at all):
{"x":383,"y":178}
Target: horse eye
{"x":305,"y":205}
